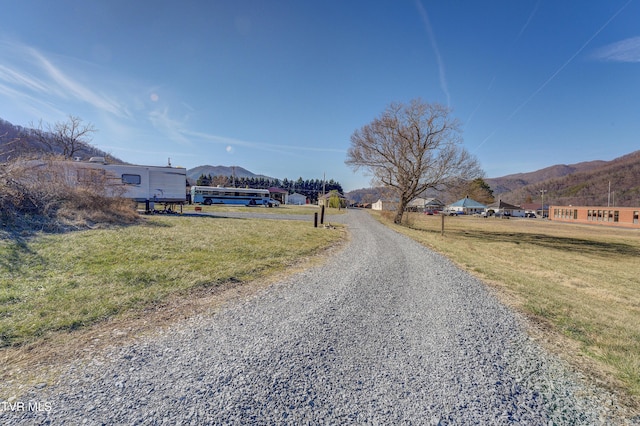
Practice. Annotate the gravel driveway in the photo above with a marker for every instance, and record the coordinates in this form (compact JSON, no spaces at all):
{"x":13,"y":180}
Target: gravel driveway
{"x":385,"y":332}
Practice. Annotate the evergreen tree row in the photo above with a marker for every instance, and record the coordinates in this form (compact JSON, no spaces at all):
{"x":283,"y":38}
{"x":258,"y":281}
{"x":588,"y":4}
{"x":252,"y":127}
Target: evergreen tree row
{"x":310,"y":188}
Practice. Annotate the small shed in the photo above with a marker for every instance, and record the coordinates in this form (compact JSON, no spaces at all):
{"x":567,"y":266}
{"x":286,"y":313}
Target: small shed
{"x":297,"y":199}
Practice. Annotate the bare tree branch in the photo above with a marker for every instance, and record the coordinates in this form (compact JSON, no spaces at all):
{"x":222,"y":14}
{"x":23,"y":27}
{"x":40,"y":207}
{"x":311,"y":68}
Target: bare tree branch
{"x":64,"y":138}
{"x":411,"y":148}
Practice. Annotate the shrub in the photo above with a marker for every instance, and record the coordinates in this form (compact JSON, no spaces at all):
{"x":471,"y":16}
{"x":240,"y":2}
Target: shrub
{"x":46,"y":195}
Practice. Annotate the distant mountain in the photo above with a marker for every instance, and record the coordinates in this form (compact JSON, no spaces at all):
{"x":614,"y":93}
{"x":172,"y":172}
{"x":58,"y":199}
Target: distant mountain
{"x":237,"y":171}
{"x":515,"y":181}
{"x":592,"y":183}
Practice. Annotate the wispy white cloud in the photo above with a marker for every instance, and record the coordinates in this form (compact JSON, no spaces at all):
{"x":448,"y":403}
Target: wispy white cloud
{"x":436,"y":50}
{"x":555,"y":74}
{"x":623,"y":51}
{"x":571,"y":58}
{"x":172,"y":128}
{"x":526,"y":24}
{"x":33,"y":105}
{"x":31,"y":74}
{"x":76,"y":89}
{"x":264,"y":146}
{"x":15,"y":78}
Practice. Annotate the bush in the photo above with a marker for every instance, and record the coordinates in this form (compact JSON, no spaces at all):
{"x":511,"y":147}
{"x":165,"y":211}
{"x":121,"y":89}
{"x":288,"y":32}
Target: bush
{"x":46,"y":195}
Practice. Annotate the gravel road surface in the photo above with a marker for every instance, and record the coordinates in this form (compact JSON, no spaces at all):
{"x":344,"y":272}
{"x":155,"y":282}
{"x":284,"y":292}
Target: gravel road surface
{"x":384,"y":332}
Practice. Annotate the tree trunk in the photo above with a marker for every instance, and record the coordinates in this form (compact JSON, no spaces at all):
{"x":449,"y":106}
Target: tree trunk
{"x":401,"y":205}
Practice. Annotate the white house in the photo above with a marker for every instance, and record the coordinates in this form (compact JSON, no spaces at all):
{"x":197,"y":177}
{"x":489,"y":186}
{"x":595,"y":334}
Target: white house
{"x":466,"y":206}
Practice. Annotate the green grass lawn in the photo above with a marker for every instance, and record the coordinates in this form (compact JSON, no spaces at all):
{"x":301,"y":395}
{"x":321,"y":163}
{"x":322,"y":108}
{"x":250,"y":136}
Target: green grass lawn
{"x":66,"y":281}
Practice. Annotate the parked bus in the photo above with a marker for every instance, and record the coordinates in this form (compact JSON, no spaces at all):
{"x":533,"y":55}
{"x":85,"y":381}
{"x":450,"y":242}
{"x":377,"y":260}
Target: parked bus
{"x":241,"y":196}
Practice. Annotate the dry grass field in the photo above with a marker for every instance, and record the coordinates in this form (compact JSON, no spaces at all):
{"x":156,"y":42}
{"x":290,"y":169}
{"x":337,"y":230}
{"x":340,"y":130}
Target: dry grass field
{"x":579,"y":284}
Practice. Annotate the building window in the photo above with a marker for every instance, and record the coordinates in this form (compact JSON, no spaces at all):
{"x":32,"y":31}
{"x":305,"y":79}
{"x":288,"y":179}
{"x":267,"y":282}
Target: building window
{"x":131,"y":179}
{"x":635,"y":217}
{"x":616,"y":216}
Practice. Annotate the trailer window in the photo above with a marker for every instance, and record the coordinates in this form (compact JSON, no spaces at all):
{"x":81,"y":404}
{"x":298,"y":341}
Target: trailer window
{"x":131,"y":179}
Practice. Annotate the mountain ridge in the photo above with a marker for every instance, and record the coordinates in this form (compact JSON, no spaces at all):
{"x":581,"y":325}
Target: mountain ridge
{"x":194,"y":173}
{"x":588,"y":183}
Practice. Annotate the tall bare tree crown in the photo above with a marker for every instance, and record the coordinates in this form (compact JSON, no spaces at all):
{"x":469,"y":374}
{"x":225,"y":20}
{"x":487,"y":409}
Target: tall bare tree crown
{"x":411,"y":148}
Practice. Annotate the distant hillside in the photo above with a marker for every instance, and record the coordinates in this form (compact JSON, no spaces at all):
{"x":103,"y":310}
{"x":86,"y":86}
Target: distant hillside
{"x":237,"y":171}
{"x":365,"y":195}
{"x":17,"y":140}
{"x":516,"y":181}
{"x":577,"y":184}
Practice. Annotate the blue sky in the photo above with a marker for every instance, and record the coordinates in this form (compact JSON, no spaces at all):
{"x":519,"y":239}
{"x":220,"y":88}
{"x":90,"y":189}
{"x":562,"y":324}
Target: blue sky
{"x":279,"y":86}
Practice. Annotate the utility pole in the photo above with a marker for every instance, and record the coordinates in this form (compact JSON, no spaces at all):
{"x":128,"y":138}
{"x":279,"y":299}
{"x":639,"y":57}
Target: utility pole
{"x":609,"y":195}
{"x":542,"y":191}
{"x":324,"y":182}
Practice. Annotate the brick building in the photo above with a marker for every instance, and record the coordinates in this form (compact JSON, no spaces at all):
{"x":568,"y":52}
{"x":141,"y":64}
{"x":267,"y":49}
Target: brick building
{"x":611,"y":216}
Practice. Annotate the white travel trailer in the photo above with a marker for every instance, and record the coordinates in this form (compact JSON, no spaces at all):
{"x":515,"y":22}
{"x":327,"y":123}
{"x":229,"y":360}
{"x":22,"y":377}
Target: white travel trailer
{"x":161,"y":184}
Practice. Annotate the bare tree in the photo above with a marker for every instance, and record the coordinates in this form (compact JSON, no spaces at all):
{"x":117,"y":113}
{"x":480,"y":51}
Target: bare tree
{"x":411,"y":148}
{"x":64,"y":138}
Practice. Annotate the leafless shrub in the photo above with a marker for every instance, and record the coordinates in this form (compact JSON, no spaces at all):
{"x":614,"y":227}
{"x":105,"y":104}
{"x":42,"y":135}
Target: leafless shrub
{"x":47,"y":195}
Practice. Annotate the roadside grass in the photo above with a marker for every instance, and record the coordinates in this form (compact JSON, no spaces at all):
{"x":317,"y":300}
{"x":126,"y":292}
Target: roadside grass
{"x":61,"y":282}
{"x":580,"y":282}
